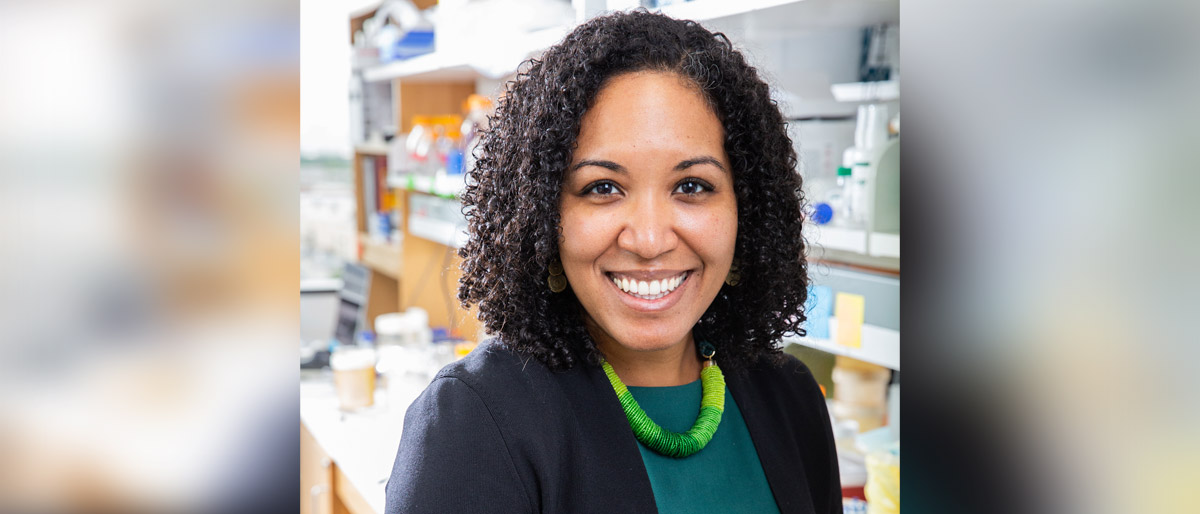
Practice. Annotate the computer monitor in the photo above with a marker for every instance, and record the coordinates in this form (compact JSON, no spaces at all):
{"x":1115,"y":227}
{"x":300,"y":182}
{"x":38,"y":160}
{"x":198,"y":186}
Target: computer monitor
{"x":352,"y":307}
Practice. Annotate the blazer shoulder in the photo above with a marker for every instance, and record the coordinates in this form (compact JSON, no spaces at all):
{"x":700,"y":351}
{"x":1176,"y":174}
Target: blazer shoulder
{"x":491,"y":366}
{"x":786,"y":370}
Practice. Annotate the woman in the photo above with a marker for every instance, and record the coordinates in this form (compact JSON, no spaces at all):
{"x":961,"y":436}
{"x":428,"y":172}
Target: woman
{"x":635,"y":223}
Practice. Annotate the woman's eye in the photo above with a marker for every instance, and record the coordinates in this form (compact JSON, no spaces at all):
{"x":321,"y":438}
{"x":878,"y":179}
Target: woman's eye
{"x":601,"y":188}
{"x":691,"y":187}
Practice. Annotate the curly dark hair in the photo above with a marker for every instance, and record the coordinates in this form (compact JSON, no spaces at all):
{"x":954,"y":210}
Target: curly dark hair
{"x":512,"y":197}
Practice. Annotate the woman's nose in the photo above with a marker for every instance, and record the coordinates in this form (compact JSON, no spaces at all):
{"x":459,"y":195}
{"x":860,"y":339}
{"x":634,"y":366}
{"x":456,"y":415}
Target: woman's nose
{"x":649,"y":228}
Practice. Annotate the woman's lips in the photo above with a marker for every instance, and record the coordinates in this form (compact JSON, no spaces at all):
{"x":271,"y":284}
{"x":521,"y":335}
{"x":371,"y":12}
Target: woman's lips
{"x":652,"y":294}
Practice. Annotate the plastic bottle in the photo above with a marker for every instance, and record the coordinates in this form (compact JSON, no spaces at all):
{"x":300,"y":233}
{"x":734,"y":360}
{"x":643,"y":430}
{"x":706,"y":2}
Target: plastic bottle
{"x":854,"y":192}
{"x":478,"y":108}
{"x":870,"y":134}
{"x":870,"y":128}
{"x":883,"y":482}
{"x":447,"y":130}
{"x":420,"y":145}
{"x":820,"y":213}
{"x":859,"y":197}
{"x":830,"y":194}
{"x":838,"y":200}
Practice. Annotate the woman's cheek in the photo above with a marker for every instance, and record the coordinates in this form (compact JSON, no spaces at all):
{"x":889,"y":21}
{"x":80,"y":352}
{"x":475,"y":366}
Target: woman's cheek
{"x":583,"y":232}
{"x":717,"y":227}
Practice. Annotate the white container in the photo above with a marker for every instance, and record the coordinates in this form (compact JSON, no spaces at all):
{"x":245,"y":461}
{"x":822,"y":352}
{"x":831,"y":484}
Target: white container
{"x":870,"y":130}
{"x":860,"y":393}
{"x":353,"y":376}
{"x":392,"y":329}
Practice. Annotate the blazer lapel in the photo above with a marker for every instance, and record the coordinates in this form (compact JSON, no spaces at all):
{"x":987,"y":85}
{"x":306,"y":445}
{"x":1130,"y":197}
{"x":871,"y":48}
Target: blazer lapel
{"x":774,"y":440}
{"x":633,"y":492}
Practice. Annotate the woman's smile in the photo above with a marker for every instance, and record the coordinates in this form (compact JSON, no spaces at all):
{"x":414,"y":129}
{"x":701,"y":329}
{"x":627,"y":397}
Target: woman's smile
{"x":646,"y":291}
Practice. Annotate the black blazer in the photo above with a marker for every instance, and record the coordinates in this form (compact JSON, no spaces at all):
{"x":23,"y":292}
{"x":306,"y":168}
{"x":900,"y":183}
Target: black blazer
{"x":500,"y":432}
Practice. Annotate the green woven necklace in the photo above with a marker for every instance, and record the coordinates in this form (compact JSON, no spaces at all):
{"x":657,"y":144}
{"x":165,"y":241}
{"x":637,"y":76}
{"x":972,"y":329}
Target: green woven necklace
{"x":666,"y":442}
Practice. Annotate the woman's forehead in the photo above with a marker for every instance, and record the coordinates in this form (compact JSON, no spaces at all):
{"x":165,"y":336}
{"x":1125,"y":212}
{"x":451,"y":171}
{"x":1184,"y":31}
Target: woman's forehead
{"x":649,"y":112}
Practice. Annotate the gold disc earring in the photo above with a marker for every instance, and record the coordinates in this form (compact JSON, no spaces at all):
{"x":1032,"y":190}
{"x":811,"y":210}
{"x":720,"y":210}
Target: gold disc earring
{"x":556,"y":280}
{"x":734,"y":277}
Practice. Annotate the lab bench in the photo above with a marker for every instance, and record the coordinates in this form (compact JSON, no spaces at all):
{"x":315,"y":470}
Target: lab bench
{"x":346,"y":457}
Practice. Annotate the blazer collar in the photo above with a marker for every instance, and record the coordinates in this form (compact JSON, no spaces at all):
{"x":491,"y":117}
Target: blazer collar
{"x":636,"y":494}
{"x":776,"y":448}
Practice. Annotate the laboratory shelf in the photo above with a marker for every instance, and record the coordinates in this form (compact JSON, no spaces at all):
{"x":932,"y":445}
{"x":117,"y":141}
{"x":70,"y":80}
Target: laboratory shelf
{"x":875,"y":244}
{"x":700,"y":10}
{"x":437,"y":219}
{"x":504,"y":55}
{"x":880,"y":244}
{"x":371,"y":149}
{"x":788,"y":14}
{"x":443,"y":66}
{"x":445,"y":186}
{"x":879,"y":345}
{"x":883,"y":91}
{"x":320,"y":285}
{"x":381,"y":256}
{"x":464,"y":64}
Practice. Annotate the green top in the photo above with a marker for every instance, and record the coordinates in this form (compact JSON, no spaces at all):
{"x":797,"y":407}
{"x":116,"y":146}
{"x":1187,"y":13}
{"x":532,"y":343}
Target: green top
{"x":725,"y":476}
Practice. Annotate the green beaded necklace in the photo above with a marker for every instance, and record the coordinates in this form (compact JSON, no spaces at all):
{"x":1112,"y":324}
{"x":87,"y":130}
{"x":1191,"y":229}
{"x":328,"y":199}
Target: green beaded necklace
{"x":666,"y":442}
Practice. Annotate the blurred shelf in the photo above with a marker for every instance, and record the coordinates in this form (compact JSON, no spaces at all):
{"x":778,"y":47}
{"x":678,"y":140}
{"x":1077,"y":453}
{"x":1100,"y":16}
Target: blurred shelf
{"x":875,"y":244}
{"x":431,"y":67}
{"x":382,"y":257}
{"x":700,"y":10}
{"x":437,"y":219}
{"x":320,"y":285}
{"x":835,"y":238}
{"x":371,"y":149}
{"x":504,"y":55}
{"x":445,"y":186}
{"x":789,"y":14}
{"x":880,"y":244}
{"x":885,"y":91}
{"x":879,"y":345}
{"x":464,"y":64}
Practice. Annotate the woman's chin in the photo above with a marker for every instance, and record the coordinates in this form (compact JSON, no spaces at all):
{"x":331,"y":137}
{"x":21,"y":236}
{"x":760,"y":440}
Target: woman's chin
{"x":642,"y":342}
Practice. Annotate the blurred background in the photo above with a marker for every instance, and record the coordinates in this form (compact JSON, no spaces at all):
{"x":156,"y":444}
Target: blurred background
{"x":148,"y":280}
{"x":1054,"y":243}
{"x":150,"y":241}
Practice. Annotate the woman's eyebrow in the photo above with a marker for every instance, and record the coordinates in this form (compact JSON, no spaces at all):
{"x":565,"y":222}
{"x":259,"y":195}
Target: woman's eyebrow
{"x":683,"y":165}
{"x":603,"y":164}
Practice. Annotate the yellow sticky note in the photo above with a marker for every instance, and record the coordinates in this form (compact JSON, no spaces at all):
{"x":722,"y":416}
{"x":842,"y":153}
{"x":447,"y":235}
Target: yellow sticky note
{"x":849,"y":311}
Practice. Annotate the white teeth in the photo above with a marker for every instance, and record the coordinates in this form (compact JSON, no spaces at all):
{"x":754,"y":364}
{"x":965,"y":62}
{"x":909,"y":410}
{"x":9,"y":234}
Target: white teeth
{"x":651,"y":290}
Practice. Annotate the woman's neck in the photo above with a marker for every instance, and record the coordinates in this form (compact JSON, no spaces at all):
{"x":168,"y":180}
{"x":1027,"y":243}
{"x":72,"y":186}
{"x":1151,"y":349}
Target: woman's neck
{"x":675,"y":365}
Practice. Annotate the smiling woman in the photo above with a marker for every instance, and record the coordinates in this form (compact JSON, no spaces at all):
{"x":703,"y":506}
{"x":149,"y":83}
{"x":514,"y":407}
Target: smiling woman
{"x":635,"y":229}
{"x":649,"y":222}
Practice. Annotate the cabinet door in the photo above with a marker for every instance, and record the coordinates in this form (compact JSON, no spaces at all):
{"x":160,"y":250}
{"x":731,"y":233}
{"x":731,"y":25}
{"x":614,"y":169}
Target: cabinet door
{"x":316,"y":476}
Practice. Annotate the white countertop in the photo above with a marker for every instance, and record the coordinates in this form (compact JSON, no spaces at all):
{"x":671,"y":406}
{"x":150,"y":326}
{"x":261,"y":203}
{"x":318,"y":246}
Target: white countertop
{"x":362,"y":444}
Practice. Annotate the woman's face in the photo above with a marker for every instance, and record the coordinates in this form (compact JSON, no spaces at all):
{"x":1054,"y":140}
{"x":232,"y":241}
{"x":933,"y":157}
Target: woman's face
{"x":649,"y":215}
